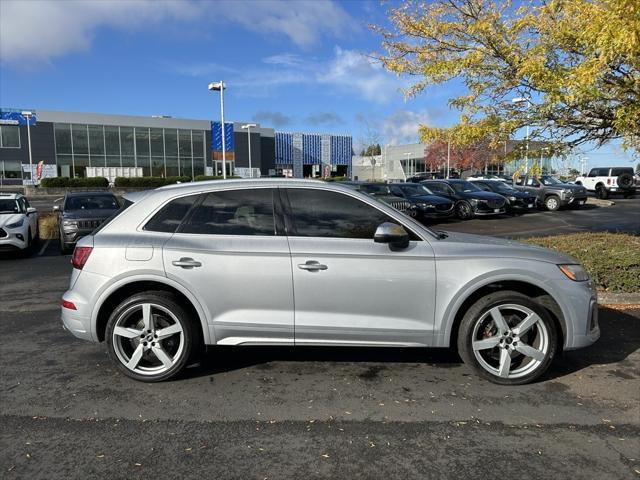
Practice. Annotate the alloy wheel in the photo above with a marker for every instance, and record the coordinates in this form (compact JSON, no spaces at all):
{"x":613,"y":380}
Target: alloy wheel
{"x":148,"y":339}
{"x":510,"y":341}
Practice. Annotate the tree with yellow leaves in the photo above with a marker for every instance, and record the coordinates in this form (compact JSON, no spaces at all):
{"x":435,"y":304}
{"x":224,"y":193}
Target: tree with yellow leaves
{"x":576,"y":62}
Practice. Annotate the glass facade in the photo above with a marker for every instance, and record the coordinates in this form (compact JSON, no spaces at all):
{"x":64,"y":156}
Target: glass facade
{"x":9,"y":136}
{"x":158,"y":151}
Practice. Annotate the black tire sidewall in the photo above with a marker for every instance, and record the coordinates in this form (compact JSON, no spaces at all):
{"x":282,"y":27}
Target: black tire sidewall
{"x":167,"y":301}
{"x":483,"y":305}
{"x":467,"y":205}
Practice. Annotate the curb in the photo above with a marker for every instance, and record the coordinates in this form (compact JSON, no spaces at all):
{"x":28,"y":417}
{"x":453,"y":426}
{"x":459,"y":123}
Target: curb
{"x":599,"y":202}
{"x":607,"y":298}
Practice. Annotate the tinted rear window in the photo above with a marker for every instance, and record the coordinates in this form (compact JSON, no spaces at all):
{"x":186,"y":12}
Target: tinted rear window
{"x":169,"y":218}
{"x":619,"y":171}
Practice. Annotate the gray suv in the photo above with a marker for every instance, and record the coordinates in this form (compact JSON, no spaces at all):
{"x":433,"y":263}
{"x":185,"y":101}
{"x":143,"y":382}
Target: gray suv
{"x":81,"y":213}
{"x":551,"y":192}
{"x":217,"y":263}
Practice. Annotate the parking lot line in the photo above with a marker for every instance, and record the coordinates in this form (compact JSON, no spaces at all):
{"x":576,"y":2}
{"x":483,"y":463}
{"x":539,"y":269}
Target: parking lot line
{"x":44,"y":247}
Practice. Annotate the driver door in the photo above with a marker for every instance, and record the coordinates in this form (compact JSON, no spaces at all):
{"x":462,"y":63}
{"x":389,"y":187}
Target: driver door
{"x":349,"y":290}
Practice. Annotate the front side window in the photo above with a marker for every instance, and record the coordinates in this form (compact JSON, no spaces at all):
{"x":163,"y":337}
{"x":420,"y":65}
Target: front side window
{"x":318,"y":213}
{"x":464,"y":187}
{"x":169,"y":218}
{"x":440,"y":187}
{"x":9,"y":136}
{"x":233,"y":212}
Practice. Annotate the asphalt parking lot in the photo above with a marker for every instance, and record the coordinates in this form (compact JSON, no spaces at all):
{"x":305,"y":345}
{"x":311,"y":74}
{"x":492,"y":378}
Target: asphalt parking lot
{"x":319,"y":412}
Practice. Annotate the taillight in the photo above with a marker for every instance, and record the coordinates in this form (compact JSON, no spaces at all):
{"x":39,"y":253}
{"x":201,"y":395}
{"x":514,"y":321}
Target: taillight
{"x":608,"y":181}
{"x":68,"y":304}
{"x":80,"y":256}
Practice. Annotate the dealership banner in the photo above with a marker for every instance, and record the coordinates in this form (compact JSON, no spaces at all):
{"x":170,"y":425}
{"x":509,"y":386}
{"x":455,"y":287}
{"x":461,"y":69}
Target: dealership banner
{"x":216,"y":136}
{"x":14,"y":116}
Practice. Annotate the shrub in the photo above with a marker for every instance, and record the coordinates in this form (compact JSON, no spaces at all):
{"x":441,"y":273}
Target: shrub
{"x":66,"y":182}
{"x":611,"y":259}
{"x":202,"y":178}
{"x":148,"y":182}
{"x":336,"y":179}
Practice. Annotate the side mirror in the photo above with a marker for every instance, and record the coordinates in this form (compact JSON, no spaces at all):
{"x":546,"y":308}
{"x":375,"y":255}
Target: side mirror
{"x":56,"y":208}
{"x":31,"y":210}
{"x":395,"y":235}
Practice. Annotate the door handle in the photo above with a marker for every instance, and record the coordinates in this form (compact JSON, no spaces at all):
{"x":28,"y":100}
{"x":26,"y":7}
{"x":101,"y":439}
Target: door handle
{"x":186,"y":262}
{"x":312,"y":266}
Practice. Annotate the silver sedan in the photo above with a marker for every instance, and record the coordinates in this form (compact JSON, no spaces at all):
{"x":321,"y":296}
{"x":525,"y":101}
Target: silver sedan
{"x":288,"y":262}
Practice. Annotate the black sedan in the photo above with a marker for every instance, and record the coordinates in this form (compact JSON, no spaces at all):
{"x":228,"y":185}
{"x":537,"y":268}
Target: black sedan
{"x":517,"y":200}
{"x":424,"y":204}
{"x":469,"y":199}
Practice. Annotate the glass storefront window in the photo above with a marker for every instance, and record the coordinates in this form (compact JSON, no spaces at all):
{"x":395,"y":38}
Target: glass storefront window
{"x":172,"y":166}
{"x":113,"y":161}
{"x":64,"y":164}
{"x":198,"y":166}
{"x":157,"y":142}
{"x":80,"y":139}
{"x":170,"y":143}
{"x":96,"y":160}
{"x":157,"y":165}
{"x":198,"y":144}
{"x":128,"y":161}
{"x":80,"y":163}
{"x":184,"y":138}
{"x":142,"y":143}
{"x":112,"y":140}
{"x":96,"y":140}
{"x":9,"y":136}
{"x":10,"y":169}
{"x":63,"y":138}
{"x":126,"y":142}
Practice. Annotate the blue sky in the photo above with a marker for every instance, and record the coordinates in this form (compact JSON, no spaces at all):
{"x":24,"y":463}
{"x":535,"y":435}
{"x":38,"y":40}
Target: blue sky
{"x":294,"y":66}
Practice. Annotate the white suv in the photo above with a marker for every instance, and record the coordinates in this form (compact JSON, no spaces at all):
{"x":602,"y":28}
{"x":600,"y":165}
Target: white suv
{"x":605,"y":181}
{"x":18,"y":223}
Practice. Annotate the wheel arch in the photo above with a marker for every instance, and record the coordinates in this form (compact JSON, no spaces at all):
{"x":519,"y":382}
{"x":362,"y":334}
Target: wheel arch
{"x":533,"y":291}
{"x":124,"y":289}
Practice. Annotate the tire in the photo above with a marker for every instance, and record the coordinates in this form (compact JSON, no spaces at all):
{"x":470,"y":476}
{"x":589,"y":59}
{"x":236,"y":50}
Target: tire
{"x":498,"y":354}
{"x":602,"y":192}
{"x":552,"y":203}
{"x":141,"y":353}
{"x":464,"y":211}
{"x":625,"y":180}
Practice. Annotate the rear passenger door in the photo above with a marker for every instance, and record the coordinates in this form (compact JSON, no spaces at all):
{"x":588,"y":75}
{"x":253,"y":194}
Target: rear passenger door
{"x":230,"y":252}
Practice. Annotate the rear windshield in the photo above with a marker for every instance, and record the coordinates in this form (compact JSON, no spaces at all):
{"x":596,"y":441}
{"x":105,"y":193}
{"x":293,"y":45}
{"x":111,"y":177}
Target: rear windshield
{"x":92,"y":202}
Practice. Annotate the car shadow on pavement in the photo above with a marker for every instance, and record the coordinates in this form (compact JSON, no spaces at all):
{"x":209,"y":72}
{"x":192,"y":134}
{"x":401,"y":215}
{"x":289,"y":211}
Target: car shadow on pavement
{"x":620,"y":338}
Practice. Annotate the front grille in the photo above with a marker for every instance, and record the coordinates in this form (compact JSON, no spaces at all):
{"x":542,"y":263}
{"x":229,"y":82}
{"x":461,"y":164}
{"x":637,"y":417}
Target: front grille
{"x":494,"y":203}
{"x":444,"y":207}
{"x":88,"y":224}
{"x":402,"y":206}
{"x":2,"y":233}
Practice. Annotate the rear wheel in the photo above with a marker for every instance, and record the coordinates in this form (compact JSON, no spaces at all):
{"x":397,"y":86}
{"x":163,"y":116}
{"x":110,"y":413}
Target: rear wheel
{"x":507,"y":338}
{"x":601,"y":192}
{"x":552,"y":202}
{"x":150,"y":337}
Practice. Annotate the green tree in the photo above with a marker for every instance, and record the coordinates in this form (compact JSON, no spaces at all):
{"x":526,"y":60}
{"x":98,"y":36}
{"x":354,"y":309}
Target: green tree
{"x":577,"y":61}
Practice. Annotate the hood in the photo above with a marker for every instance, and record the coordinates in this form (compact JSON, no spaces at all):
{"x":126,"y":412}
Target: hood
{"x":482,"y":195}
{"x":568,"y":186}
{"x":80,"y":214}
{"x":518,"y":194}
{"x":9,"y":218}
{"x":433,"y":199}
{"x":461,"y":244}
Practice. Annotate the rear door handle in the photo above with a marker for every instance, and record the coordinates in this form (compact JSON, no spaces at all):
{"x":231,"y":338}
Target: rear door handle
{"x":186,"y":262}
{"x":312,"y":266}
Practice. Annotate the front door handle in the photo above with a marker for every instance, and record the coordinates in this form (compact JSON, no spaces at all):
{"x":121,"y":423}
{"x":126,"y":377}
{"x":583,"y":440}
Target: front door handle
{"x":312,"y":266}
{"x":186,"y":262}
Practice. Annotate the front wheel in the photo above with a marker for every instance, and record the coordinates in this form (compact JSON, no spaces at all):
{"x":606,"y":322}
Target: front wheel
{"x":552,"y":202}
{"x":464,"y":210}
{"x":507,"y":338}
{"x":150,"y":337}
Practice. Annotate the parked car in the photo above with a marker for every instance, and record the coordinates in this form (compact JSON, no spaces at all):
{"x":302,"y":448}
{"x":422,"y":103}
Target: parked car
{"x":516,"y":200}
{"x":18,"y":223}
{"x":424,"y":204}
{"x":211,"y":264}
{"x":382,"y":193}
{"x":551,"y":192}
{"x":469,"y":199}
{"x":605,"y":181}
{"x":81,"y":213}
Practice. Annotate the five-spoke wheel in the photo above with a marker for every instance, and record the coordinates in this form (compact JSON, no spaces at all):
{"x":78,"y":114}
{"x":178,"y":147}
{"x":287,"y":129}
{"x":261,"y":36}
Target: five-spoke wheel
{"x":507,"y":338}
{"x":150,"y":336}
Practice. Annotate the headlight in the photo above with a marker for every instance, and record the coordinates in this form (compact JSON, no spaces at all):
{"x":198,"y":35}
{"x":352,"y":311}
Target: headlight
{"x":425,"y":205}
{"x":567,"y":190}
{"x":577,"y":273}
{"x":512,"y":199}
{"x":474,"y":201}
{"x":18,"y":224}
{"x":70,"y":223}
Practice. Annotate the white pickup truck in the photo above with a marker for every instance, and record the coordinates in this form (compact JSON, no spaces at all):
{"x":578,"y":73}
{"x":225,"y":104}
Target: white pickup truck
{"x":604,"y":181}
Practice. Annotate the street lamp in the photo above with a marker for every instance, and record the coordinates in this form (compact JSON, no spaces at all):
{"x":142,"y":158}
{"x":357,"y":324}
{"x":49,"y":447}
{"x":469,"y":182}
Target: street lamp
{"x":219,"y":87}
{"x":28,"y":116}
{"x":526,"y":151}
{"x":248,"y":127}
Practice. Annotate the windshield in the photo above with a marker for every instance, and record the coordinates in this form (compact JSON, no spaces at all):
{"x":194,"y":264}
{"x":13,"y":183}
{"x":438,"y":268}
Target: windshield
{"x":549,"y":181}
{"x":465,"y":187}
{"x":416,"y":189}
{"x":502,"y":187}
{"x":92,"y":202}
{"x":9,"y":206}
{"x":440,"y":187}
{"x":375,"y":189}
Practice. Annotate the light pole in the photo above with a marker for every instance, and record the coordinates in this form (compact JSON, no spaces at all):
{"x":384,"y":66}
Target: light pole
{"x":28,"y":116}
{"x":526,"y":151}
{"x":219,"y":87}
{"x":448,"y":157}
{"x":248,"y":127}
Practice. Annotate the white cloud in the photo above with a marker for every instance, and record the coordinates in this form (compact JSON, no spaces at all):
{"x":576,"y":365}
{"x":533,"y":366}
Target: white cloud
{"x":289,"y":59}
{"x":39,"y":30}
{"x":36,"y":31}
{"x":402,"y":126}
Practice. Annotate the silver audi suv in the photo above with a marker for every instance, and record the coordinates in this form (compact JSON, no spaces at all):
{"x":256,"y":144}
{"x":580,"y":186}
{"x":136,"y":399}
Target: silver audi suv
{"x":293,"y":262}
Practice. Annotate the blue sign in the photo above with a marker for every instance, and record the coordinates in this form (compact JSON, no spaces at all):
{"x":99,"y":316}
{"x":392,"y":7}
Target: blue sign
{"x":216,"y":137}
{"x":14,"y":116}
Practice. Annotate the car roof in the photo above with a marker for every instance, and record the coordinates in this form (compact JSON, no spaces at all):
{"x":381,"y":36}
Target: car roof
{"x":11,"y":195}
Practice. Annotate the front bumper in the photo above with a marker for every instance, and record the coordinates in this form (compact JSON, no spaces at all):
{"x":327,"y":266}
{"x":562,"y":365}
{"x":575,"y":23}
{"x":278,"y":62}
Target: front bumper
{"x":522,"y":204}
{"x":12,"y":240}
{"x":433,"y":213}
{"x":484,"y":210}
{"x":579,"y":199}
{"x":72,"y":236}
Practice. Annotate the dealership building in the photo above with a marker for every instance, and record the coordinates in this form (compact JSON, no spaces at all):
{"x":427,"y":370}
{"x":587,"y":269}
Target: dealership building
{"x":85,"y":144}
